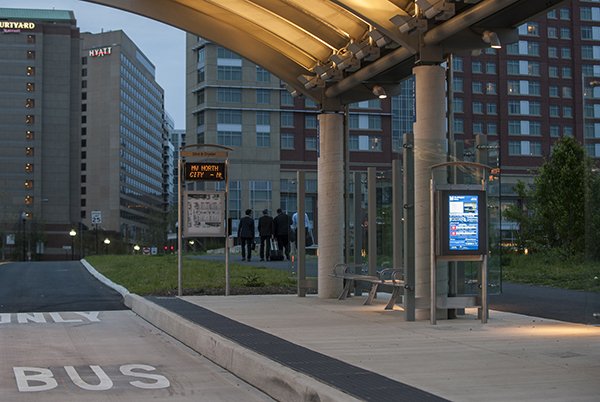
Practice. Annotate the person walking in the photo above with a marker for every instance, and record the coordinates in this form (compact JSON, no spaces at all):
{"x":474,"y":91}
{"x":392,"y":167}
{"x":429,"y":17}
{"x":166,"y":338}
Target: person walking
{"x":246,"y":235}
{"x":281,"y":231}
{"x":265,"y":231}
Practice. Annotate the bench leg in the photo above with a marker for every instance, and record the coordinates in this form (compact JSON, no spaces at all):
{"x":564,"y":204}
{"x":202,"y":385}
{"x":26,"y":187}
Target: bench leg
{"x":346,"y":290}
{"x":372,"y":294}
{"x":393,"y":298}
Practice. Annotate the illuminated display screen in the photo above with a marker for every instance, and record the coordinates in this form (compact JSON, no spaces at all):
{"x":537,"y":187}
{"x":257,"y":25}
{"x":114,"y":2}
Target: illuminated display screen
{"x":463,"y":222}
{"x":205,"y":171}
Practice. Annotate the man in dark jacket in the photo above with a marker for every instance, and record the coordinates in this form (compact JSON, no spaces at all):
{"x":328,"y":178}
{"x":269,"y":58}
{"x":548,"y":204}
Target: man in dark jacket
{"x":281,"y":231}
{"x":246,"y":234}
{"x":265,"y":231}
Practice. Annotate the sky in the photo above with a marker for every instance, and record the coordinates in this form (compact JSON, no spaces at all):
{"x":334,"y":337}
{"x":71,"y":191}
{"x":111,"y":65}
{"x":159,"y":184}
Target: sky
{"x":161,"y":43}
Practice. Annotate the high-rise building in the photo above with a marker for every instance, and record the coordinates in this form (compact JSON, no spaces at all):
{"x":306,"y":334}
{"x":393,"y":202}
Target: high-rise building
{"x":123,"y":132}
{"x":39,"y":124}
{"x":236,"y":103}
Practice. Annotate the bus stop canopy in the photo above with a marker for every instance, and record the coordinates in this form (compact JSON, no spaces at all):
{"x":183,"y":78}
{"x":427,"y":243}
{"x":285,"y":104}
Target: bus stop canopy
{"x":343,"y":51}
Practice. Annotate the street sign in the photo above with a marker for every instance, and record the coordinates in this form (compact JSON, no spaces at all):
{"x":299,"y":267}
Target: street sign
{"x":207,"y":171}
{"x":96,"y":217}
{"x":205,"y":154}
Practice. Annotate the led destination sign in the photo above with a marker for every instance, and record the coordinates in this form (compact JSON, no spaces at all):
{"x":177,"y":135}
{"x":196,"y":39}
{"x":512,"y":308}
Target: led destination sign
{"x":463,"y":222}
{"x":205,"y":171}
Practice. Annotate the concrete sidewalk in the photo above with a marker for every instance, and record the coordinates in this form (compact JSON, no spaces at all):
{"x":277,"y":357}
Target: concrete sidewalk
{"x":511,"y":358}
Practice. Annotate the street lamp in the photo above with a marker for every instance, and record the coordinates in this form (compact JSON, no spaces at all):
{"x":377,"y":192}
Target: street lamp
{"x":106,"y":243}
{"x":72,"y":233}
{"x":136,"y":248}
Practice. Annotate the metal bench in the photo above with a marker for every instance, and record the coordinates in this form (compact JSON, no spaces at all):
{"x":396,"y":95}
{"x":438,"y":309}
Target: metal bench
{"x":392,"y":277}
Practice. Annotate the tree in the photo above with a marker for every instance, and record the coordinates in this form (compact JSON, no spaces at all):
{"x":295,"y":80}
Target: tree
{"x":555,"y":210}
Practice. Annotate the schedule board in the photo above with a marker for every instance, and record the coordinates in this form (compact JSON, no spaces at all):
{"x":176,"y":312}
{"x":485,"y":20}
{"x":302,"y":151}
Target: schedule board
{"x":463,"y":227}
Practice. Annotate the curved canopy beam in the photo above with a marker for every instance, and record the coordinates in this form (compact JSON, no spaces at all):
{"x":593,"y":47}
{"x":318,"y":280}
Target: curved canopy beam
{"x":336,"y":50}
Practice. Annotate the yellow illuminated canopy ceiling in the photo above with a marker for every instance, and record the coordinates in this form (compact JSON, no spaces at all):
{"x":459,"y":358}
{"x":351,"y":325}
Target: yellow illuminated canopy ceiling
{"x":335,"y":51}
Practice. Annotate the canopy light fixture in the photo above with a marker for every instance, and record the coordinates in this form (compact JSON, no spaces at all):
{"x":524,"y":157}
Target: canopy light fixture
{"x":379,"y":92}
{"x":491,"y":38}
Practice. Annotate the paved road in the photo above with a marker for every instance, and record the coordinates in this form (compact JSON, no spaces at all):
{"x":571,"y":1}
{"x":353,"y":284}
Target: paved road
{"x":540,"y":301}
{"x":53,"y":286}
{"x":65,"y":337}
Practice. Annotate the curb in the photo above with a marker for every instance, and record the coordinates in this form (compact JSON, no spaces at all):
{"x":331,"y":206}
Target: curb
{"x":274,"y":379}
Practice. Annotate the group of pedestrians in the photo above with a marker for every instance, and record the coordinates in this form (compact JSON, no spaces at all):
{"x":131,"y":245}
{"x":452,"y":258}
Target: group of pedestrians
{"x":278,"y":228}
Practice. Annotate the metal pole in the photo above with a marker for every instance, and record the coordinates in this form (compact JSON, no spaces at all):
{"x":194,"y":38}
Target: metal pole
{"x":300,"y":239}
{"x":409,"y":228}
{"x":179,"y":226}
{"x":397,"y":213}
{"x":432,"y":259}
{"x":372,"y":228}
{"x":226,"y":228}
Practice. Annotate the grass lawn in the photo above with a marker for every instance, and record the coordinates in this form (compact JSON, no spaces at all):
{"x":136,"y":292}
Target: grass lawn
{"x":157,"y":275}
{"x":552,"y":270}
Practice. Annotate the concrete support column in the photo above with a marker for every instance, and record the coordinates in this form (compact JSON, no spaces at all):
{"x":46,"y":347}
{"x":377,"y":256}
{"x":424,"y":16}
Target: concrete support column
{"x":429,"y":149}
{"x":330,"y":202}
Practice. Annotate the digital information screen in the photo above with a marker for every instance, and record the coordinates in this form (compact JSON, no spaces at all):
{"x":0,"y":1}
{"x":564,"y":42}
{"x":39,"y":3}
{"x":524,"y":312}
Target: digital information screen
{"x":463,"y":222}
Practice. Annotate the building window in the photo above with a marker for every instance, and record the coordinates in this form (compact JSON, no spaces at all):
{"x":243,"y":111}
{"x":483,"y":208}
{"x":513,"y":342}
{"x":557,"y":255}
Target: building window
{"x":30,"y":87}
{"x":565,"y":53}
{"x":567,"y":92}
{"x":565,"y":14}
{"x":29,"y":151}
{"x":553,"y":52}
{"x":29,"y":119}
{"x":229,"y":73}
{"x":29,"y":135}
{"x":28,"y":184}
{"x":287,"y":141}
{"x":478,"y":127}
{"x":554,"y":111}
{"x":476,"y":67}
{"x":261,"y":193}
{"x":458,"y":84}
{"x":567,"y":73}
{"x":310,"y":121}
{"x":223,"y":53}
{"x":262,"y":75}
{"x":552,"y":33}
{"x":29,"y":167}
{"x":310,"y":143}
{"x":459,"y":126}
{"x":565,"y":33}
{"x":553,"y":71}
{"x":201,"y":76}
{"x":477,"y":107}
{"x":458,"y":104}
{"x":554,"y":130}
{"x":492,"y":109}
{"x":29,"y":103}
{"x":477,"y":87}
{"x":229,"y":138}
{"x":567,"y":112}
{"x":263,"y":96}
{"x":229,"y":95}
{"x":263,"y":139}
{"x":263,"y":118}
{"x":490,"y":88}
{"x":286,"y":99}
{"x":287,"y":119}
{"x":553,"y":91}
{"x":457,"y":63}
{"x":490,"y":68}
{"x":370,"y":143}
{"x":492,"y":129}
{"x":229,"y":117}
